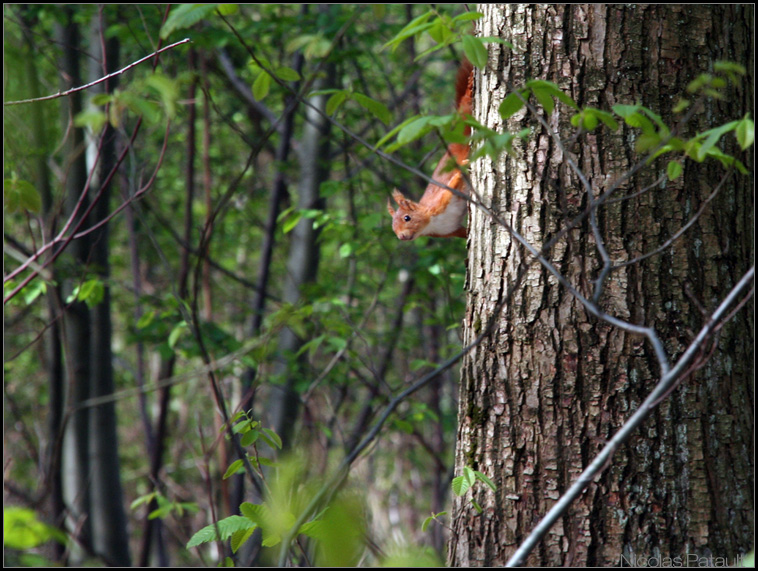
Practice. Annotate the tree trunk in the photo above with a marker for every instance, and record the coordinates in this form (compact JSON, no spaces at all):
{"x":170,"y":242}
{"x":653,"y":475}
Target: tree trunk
{"x":302,"y":265}
{"x":90,"y":465}
{"x":550,"y":384}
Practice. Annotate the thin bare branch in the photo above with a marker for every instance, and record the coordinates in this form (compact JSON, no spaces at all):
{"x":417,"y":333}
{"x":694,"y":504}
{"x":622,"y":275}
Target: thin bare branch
{"x":624,"y":433}
{"x":101,"y":80}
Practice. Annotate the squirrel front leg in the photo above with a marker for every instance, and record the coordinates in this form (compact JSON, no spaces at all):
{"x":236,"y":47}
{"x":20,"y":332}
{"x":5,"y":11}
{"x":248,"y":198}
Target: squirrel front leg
{"x":446,"y":196}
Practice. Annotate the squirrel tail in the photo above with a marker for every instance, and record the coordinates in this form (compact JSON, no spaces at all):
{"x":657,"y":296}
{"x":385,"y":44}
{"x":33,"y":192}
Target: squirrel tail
{"x":464,"y":86}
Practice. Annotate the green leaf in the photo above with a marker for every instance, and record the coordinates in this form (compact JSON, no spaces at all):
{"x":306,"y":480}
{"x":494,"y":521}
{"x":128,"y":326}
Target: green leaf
{"x":261,"y":85}
{"x":147,"y":498}
{"x":249,"y":438}
{"x":605,"y":117}
{"x":713,"y":136}
{"x":415,"y":26}
{"x":681,"y":105}
{"x":544,"y":99}
{"x":185,"y":16}
{"x":477,"y":507}
{"x":460,"y":485}
{"x":552,"y":89}
{"x":34,"y":290}
{"x":21,"y":195}
{"x":22,"y":530}
{"x":226,"y":528}
{"x":291,"y":222}
{"x":146,"y":319}
{"x":413,"y":130}
{"x":394,"y":131}
{"x":745,"y":133}
{"x":287,"y":73}
{"x":475,"y":51}
{"x":467,"y":17}
{"x":674,"y":170}
{"x":335,"y":101}
{"x":239,"y":537}
{"x":176,"y":332}
{"x":273,"y":438}
{"x":93,"y":119}
{"x":729,"y":66}
{"x":481,"y":477}
{"x":378,"y":109}
{"x":167,"y":90}
{"x":512,"y":104}
{"x":233,"y":468}
{"x":90,"y":292}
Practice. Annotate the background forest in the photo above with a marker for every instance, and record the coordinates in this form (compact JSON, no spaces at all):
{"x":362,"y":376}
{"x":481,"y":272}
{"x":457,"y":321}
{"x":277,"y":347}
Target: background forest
{"x":248,"y":259}
{"x":216,"y":350}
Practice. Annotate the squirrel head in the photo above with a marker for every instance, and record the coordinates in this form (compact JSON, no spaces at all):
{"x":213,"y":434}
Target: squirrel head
{"x":409,"y":219}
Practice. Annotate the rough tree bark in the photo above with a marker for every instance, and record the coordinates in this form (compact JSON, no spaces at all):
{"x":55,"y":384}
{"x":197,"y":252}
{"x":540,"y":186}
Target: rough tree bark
{"x":550,"y":384}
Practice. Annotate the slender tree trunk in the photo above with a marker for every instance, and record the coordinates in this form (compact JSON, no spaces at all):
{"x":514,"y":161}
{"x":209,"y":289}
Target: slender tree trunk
{"x":109,"y":535}
{"x":550,"y":384}
{"x":90,"y":471}
{"x":53,"y":348}
{"x":76,"y":325}
{"x":302,"y":264}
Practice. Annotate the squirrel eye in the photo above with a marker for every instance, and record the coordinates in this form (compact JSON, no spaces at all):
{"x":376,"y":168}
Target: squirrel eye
{"x":407,"y":218}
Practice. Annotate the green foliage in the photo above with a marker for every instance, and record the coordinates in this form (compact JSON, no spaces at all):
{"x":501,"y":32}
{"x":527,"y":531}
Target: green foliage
{"x":445,"y":30}
{"x":166,"y":507}
{"x":463,"y":483}
{"x":655,"y":136}
{"x":187,"y":15}
{"x":90,"y":292}
{"x":20,"y":195}
{"x":22,"y":530}
{"x":338,"y":530}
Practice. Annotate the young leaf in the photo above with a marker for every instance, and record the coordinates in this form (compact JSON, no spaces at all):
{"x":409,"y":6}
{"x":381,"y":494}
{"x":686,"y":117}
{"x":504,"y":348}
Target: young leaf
{"x":544,"y":99}
{"x":287,"y":73}
{"x":415,"y":26}
{"x":394,"y":131}
{"x":273,"y":439}
{"x":413,"y":131}
{"x":674,"y":170}
{"x":233,"y":468}
{"x":21,"y":195}
{"x":261,"y":85}
{"x":226,"y":528}
{"x":248,"y":439}
{"x":239,"y":537}
{"x":460,"y":485}
{"x":512,"y":104}
{"x":378,"y":109}
{"x":745,"y":133}
{"x":475,"y":51}
{"x":185,"y":16}
{"x":486,"y":480}
{"x":335,"y":101}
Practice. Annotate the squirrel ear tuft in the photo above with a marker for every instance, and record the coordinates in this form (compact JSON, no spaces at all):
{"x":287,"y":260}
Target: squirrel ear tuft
{"x":398,"y":196}
{"x":389,"y":208}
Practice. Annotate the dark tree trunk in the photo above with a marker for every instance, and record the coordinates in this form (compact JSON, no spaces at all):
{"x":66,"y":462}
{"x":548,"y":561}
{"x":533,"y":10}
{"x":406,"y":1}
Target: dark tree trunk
{"x":550,"y":384}
{"x":90,"y":465}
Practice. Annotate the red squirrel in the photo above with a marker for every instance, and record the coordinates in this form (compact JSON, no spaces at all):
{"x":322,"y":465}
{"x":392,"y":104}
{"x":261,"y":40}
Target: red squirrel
{"x":439,"y":213}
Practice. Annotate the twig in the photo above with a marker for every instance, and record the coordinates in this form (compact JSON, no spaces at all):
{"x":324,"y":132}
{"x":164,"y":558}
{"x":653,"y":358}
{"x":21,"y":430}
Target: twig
{"x":102,"y":79}
{"x":624,"y":433}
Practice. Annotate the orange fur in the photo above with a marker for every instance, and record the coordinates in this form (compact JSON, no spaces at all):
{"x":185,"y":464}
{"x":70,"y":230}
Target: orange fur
{"x":439,"y":213}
